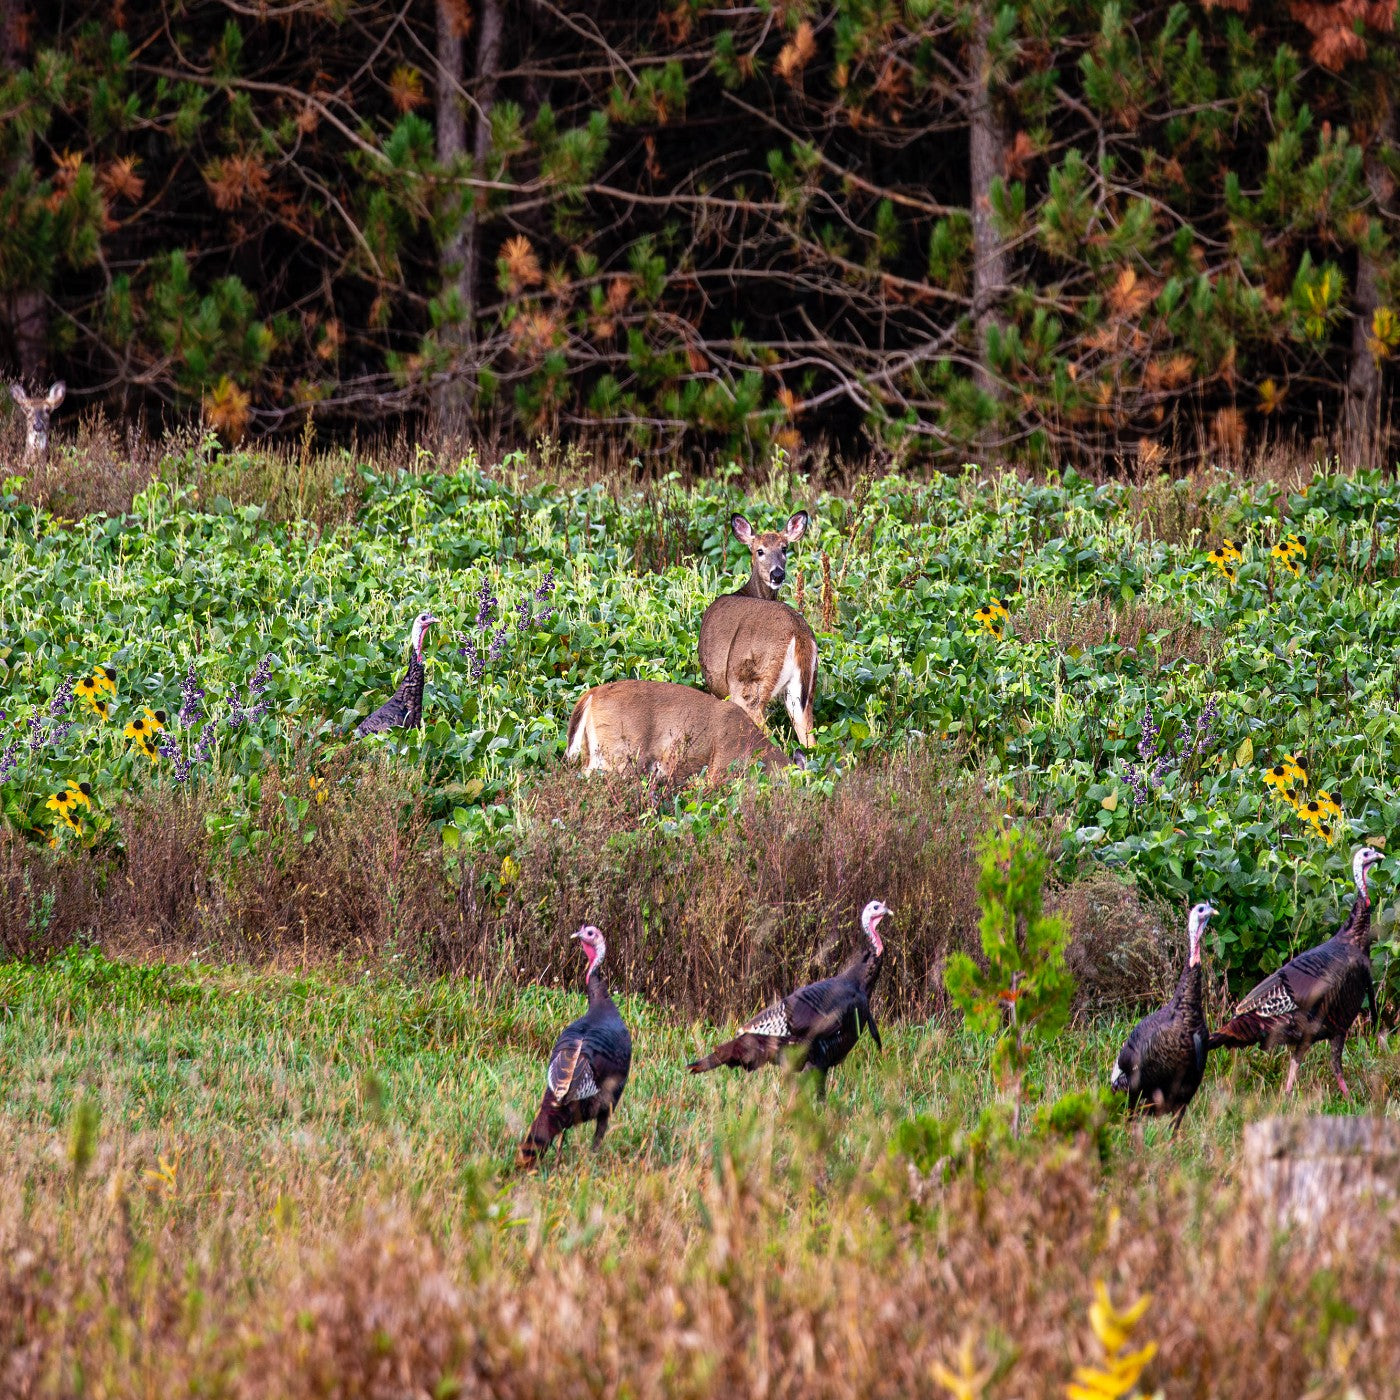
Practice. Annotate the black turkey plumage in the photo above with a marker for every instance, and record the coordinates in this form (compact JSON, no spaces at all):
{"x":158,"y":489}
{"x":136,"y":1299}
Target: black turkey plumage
{"x":1162,"y":1061}
{"x":1316,"y":996}
{"x":404,"y":708}
{"x":823,"y":1019}
{"x":588,"y":1066}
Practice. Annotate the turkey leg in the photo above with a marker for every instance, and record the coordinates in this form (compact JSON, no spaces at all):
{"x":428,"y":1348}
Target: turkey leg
{"x":1296,"y":1051}
{"x":1338,"y":1042}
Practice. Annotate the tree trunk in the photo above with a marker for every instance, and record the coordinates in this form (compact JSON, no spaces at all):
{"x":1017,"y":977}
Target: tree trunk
{"x":987,"y":146}
{"x":450,"y":397}
{"x":1303,"y":1173}
{"x":25,"y":308}
{"x":460,"y":256}
{"x":1364,"y":383}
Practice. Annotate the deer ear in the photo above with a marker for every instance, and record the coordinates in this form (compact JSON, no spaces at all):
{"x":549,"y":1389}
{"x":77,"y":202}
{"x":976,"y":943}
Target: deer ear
{"x":18,"y":395}
{"x":742,"y":529}
{"x":797,"y":526}
{"x":56,"y":393}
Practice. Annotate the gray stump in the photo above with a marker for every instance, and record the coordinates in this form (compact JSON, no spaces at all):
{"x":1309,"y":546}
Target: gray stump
{"x":1299,"y":1171}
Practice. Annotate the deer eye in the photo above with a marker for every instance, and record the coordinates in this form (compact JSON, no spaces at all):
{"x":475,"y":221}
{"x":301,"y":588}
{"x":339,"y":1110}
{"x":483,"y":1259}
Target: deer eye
{"x":760,"y":554}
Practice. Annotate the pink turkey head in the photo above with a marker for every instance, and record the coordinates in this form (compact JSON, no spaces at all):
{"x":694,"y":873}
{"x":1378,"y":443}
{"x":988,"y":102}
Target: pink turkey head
{"x":421,"y":623}
{"x":1361,"y":863}
{"x":870,"y":918}
{"x":1196,"y":926}
{"x":594,"y":944}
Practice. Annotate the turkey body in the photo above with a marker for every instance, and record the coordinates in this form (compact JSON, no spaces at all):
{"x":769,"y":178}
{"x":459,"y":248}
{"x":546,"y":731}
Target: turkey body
{"x":821,"y":1022}
{"x":404,"y":708}
{"x":1163,"y":1060}
{"x":588,"y":1070}
{"x":1315,"y":996}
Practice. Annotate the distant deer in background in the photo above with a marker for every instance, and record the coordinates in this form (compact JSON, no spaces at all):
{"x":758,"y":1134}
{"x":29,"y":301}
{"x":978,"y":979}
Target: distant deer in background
{"x":673,"y":731}
{"x":755,"y":650}
{"x":37,"y":413}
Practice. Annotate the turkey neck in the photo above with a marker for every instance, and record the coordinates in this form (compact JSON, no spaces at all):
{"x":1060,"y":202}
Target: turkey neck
{"x":1357,"y":929}
{"x":1188,"y":991}
{"x":597,"y":989}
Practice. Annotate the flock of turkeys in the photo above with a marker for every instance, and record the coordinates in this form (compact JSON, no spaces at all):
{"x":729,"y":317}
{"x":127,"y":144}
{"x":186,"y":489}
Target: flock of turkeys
{"x":1316,"y":996}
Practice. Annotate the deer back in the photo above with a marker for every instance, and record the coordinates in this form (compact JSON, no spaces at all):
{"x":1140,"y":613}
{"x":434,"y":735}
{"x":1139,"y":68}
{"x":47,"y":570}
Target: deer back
{"x":671,"y":730}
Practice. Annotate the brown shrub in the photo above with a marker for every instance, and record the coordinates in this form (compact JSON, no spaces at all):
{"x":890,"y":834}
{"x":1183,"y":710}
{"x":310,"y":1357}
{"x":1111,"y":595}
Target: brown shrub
{"x":1124,"y":950}
{"x":714,"y":919}
{"x":1086,"y":623}
{"x":96,"y":472}
{"x":45,"y":901}
{"x":712,"y":915}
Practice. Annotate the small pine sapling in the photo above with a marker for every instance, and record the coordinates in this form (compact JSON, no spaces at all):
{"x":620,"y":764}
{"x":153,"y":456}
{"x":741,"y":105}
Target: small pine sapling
{"x":1023,"y":991}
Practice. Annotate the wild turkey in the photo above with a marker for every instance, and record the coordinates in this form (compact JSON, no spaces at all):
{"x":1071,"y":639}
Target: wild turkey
{"x":1162,"y":1061}
{"x":1318,"y":994}
{"x":404,"y":708}
{"x":588,"y":1066}
{"x":823,"y":1018}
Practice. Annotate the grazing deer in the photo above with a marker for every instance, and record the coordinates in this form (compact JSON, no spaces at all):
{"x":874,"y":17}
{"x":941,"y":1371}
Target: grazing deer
{"x":755,"y":650}
{"x":37,"y":413}
{"x":673,"y":731}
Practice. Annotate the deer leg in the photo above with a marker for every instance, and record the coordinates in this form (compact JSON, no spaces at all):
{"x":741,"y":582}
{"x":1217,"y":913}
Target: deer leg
{"x":1338,"y":1042}
{"x":1296,"y":1054}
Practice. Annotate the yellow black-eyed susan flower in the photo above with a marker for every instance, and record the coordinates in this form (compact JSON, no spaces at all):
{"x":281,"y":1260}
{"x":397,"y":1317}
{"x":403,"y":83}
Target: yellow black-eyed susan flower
{"x":1328,"y":804}
{"x":1300,"y":774}
{"x":1278,"y":777}
{"x":88,"y":688}
{"x":1311,"y":811}
{"x":106,"y":678}
{"x":1327,"y":831}
{"x":64,"y":805}
{"x":991,"y":617}
{"x":148,"y":723}
{"x":99,"y":707}
{"x":80,"y":794}
{"x":1288,"y":557}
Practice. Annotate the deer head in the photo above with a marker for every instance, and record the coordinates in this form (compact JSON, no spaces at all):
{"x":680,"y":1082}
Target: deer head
{"x":37,"y":413}
{"x":768,"y":550}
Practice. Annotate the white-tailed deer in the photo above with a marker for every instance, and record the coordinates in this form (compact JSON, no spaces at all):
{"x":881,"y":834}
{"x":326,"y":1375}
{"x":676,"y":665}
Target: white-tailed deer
{"x":755,"y":650}
{"x":674,"y":731}
{"x":37,"y":413}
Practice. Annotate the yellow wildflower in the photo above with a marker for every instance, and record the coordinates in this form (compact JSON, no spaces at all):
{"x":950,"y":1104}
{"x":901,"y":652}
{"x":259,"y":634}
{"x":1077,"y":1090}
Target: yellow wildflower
{"x":318,"y":788}
{"x":992,"y":617}
{"x":510,"y":870}
{"x":80,"y":794}
{"x":106,"y":679}
{"x":66,"y":806}
{"x":88,"y":689}
{"x":1113,"y":1328}
{"x":967,"y":1382}
{"x":96,"y":705}
{"x":1298,"y":771}
{"x":1118,"y":1373}
{"x":148,"y":723}
{"x":1328,"y":805}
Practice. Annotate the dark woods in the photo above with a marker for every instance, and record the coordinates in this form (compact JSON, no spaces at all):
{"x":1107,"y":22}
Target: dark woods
{"x":1061,"y":230}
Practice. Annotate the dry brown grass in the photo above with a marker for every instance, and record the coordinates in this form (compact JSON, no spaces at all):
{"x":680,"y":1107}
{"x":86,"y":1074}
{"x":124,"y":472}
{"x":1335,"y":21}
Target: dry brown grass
{"x":105,"y":1284}
{"x":716,"y":920}
{"x":711,"y":918}
{"x":1087,"y":623}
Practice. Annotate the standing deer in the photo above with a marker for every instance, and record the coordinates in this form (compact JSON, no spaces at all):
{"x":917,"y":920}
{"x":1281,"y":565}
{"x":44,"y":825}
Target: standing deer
{"x":671,"y":730}
{"x":37,"y":413}
{"x":755,"y":650}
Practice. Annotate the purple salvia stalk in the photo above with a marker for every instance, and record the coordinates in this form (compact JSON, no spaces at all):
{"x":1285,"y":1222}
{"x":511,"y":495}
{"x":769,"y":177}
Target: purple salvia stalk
{"x":191,"y":693}
{"x":487,"y":605}
{"x":62,"y":697}
{"x":8,"y":761}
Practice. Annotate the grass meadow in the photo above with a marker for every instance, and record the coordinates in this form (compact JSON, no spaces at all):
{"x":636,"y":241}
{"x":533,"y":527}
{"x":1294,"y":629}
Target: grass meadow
{"x":275,"y":1006}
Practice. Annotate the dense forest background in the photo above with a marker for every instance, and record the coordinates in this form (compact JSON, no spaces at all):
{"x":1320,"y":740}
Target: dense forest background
{"x":1043,"y":229}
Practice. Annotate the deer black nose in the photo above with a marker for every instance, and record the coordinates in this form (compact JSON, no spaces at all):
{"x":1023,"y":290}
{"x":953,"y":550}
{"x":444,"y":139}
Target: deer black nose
{"x":776,"y":575}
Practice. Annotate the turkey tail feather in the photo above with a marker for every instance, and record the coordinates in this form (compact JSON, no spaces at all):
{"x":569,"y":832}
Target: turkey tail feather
{"x":1243,"y":1030}
{"x":748,"y":1052}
